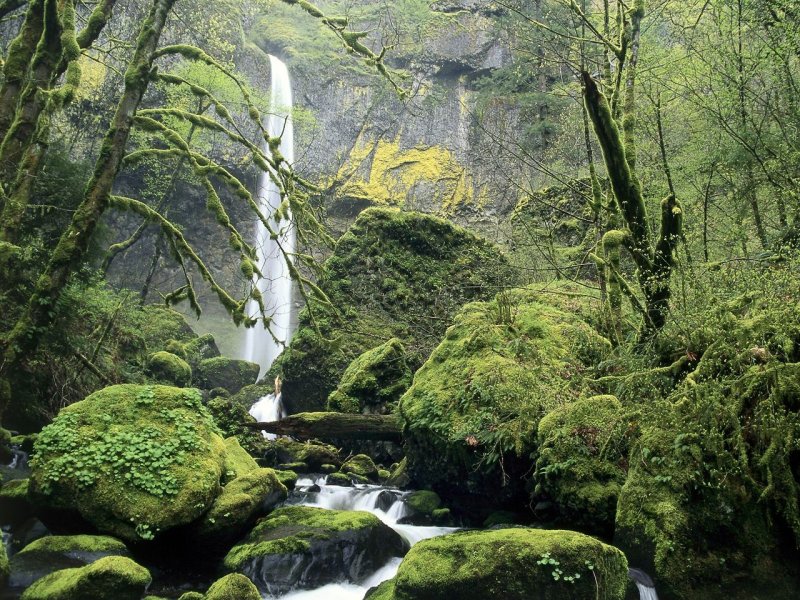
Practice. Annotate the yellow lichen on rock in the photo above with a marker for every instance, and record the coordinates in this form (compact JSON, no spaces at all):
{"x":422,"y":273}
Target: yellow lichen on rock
{"x":385,"y":173}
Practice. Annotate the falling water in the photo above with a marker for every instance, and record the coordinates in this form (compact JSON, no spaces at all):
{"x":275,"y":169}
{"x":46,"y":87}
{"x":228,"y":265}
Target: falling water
{"x":385,"y":503}
{"x":644,"y":583}
{"x":275,"y":285}
{"x":267,"y":409}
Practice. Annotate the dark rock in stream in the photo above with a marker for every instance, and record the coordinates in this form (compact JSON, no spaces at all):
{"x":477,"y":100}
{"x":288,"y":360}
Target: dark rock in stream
{"x":304,"y":547}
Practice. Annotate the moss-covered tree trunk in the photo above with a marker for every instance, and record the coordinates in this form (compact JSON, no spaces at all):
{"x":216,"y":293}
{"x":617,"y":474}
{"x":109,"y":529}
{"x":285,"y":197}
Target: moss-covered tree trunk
{"x":654,"y":264}
{"x":71,"y":248}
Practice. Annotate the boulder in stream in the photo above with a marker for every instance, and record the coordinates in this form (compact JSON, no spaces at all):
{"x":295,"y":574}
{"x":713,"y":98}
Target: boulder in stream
{"x":304,"y":547}
{"x":513,"y":564}
{"x":114,"y":577}
{"x":56,"y":552}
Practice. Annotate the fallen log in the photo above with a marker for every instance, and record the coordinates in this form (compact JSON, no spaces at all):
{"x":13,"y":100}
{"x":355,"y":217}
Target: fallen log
{"x":336,"y":426}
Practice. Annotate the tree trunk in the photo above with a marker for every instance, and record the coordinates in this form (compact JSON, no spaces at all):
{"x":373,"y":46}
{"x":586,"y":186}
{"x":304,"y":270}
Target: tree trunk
{"x":337,"y":426}
{"x":71,"y":248}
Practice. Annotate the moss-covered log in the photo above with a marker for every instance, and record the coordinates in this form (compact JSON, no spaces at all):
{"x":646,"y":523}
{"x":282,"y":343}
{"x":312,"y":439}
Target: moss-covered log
{"x":339,"y":426}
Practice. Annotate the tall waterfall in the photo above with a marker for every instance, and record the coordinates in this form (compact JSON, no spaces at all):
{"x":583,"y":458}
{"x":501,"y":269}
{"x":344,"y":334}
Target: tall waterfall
{"x":276,"y":285}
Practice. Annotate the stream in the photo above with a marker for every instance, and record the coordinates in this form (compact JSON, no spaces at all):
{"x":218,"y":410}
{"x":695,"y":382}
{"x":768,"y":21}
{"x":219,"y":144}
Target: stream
{"x":386,"y":503}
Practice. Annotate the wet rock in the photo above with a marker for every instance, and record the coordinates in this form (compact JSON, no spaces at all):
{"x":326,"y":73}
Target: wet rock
{"x":304,"y":547}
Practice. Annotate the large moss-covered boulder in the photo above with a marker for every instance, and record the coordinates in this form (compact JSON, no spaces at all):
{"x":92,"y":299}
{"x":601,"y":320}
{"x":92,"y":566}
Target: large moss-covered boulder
{"x":56,"y":552}
{"x":169,"y":369}
{"x":513,"y":564}
{"x":304,"y":547}
{"x":134,"y":461}
{"x":223,"y":372}
{"x":115,"y":577}
{"x":374,"y":382}
{"x":473,"y":410}
{"x":582,"y":461}
{"x":393,"y":274}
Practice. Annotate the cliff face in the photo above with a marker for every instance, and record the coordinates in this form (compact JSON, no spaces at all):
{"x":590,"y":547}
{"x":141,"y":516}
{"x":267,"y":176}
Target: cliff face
{"x":371,"y":147}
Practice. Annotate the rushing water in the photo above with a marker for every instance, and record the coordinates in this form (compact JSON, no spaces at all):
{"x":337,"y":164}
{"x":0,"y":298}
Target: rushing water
{"x":644,"y":583}
{"x":276,"y":285}
{"x":386,"y":503}
{"x":267,"y":409}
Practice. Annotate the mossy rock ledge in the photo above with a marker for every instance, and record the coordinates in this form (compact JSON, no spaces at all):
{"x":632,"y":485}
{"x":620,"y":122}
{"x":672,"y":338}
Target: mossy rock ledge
{"x":56,"y":552}
{"x":303,"y":547}
{"x":380,"y":279}
{"x":512,"y":564}
{"x":134,"y":461}
{"x":472,"y":413}
{"x":169,"y":369}
{"x":114,"y":577}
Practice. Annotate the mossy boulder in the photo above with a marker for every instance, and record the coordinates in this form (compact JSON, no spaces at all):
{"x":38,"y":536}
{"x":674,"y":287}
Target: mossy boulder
{"x":582,"y":461}
{"x":14,"y":504}
{"x":287,"y":478}
{"x":231,"y":417}
{"x":313,"y":455}
{"x":200,"y":348}
{"x":360,"y":465}
{"x":302,"y":547}
{"x":56,"y":552}
{"x":223,"y":372}
{"x":340,"y":479}
{"x":374,"y":382}
{"x":134,"y":461}
{"x":473,"y":410}
{"x":518,"y":563}
{"x":242,"y":500}
{"x":115,"y":577}
{"x":238,"y":461}
{"x":169,"y":369}
{"x":250,"y":394}
{"x":423,"y":501}
{"x":392,"y":275}
{"x":232,"y":587}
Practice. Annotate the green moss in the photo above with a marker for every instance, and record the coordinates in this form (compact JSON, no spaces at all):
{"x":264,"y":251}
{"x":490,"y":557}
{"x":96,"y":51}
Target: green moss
{"x":110,"y":577}
{"x":341,"y":479}
{"x":582,"y":461}
{"x":191,"y":596}
{"x":233,"y":587}
{"x":231,"y":418}
{"x":228,"y":373}
{"x":385,"y":591}
{"x":291,"y":529}
{"x":237,"y":461}
{"x":132,"y":460}
{"x":360,"y":465}
{"x":512,"y":563}
{"x":287,"y":478}
{"x":169,"y":369}
{"x":424,"y":501}
{"x":313,"y":455}
{"x":88,"y":544}
{"x":200,"y":348}
{"x":374,"y":382}
{"x":472,"y":413}
{"x":178,"y":349}
{"x":239,"y":503}
{"x":4,"y":568}
{"x":379,"y":280}
{"x":383,"y":474}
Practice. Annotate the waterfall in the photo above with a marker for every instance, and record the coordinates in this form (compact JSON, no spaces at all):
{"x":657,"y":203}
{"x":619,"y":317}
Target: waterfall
{"x":276,"y":285}
{"x":267,"y":409}
{"x":644,"y":583}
